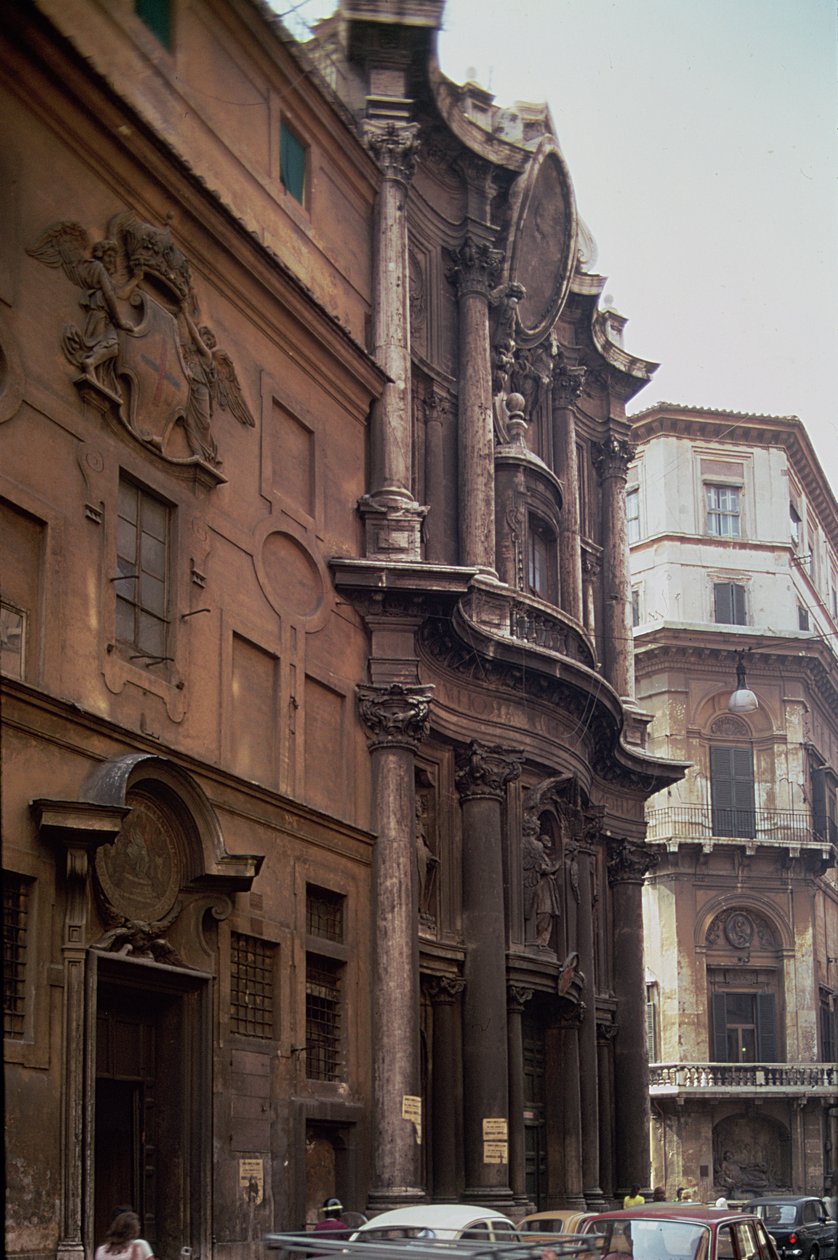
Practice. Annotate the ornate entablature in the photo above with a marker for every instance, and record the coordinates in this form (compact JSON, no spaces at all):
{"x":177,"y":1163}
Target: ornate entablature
{"x":146,"y":364}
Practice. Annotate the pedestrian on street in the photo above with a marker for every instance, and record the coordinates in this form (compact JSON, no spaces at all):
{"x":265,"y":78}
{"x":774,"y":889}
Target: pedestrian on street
{"x":634,"y":1198}
{"x":331,"y":1222}
{"x":659,"y":1195}
{"x":123,"y":1242}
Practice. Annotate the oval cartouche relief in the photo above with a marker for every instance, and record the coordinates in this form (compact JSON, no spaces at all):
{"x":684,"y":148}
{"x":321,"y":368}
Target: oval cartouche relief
{"x":543,"y":246}
{"x":292,"y":578}
{"x":141,"y":872}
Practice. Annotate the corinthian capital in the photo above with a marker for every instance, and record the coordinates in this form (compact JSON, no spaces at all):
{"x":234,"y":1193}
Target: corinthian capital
{"x":567,"y":384}
{"x":475,"y":267}
{"x":485,"y":770}
{"x":612,"y":457}
{"x":393,"y":148}
{"x":629,"y":860}
{"x":397,"y":716}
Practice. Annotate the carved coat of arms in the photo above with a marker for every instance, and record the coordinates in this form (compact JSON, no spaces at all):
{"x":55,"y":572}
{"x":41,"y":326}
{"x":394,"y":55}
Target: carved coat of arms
{"x":142,"y":355}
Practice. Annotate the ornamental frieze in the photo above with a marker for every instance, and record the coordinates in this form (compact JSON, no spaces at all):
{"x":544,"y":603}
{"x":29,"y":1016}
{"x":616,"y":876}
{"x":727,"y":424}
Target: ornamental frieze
{"x":142,"y":355}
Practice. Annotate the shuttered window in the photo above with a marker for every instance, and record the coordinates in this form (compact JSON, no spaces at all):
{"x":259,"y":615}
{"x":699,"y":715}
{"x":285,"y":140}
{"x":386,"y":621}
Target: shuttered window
{"x":732,"y":791}
{"x":729,"y":604}
{"x":292,"y":163}
{"x":744,"y":1028}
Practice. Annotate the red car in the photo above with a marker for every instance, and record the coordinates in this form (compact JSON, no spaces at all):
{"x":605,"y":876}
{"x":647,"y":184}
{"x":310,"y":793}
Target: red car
{"x":675,"y":1231}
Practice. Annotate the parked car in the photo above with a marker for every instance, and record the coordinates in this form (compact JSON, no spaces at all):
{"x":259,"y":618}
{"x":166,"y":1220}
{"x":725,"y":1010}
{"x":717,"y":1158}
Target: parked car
{"x":542,"y":1226}
{"x":801,"y":1225}
{"x":681,"y":1231}
{"x":444,"y":1221}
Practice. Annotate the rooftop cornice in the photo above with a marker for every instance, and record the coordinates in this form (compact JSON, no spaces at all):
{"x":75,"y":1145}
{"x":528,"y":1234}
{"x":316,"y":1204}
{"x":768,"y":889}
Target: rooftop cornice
{"x":746,"y":429}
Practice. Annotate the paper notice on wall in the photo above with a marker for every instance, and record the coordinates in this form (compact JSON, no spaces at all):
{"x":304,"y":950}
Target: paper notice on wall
{"x":412,"y":1111}
{"x":252,"y":1180}
{"x":495,"y":1153}
{"x":495,"y":1129}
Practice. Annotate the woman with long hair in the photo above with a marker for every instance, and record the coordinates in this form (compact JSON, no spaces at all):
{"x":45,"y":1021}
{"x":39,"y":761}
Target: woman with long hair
{"x":123,"y":1242}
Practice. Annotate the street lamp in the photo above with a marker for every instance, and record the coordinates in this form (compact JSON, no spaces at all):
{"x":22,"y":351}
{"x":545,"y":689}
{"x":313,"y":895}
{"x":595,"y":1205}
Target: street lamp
{"x":742,"y":700}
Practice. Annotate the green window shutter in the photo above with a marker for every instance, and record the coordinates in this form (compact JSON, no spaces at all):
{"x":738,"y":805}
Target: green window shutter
{"x":738,"y":604}
{"x":732,"y":791}
{"x":292,"y":163}
{"x":157,"y":16}
{"x":766,"y":1029}
{"x":719,"y":1016}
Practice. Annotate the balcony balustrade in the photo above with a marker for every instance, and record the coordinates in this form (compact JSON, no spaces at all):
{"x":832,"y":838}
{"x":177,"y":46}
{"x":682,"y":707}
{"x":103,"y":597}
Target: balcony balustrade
{"x":703,"y":823}
{"x":713,"y":1079}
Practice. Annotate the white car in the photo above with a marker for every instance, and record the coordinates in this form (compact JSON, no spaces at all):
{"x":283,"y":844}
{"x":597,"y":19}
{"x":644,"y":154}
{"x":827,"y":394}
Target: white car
{"x":445,"y":1221}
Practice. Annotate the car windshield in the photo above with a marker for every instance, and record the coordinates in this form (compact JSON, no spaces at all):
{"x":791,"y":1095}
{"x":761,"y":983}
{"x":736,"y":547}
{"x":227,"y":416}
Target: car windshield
{"x":653,"y":1239}
{"x":776,"y":1213}
{"x":547,"y":1225}
{"x":395,"y":1232}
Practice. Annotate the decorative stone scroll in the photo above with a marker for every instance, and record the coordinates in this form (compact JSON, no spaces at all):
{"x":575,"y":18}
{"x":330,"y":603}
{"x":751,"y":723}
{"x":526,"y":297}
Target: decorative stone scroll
{"x":484,"y":770}
{"x":143,"y":357}
{"x":629,"y":861}
{"x":396,"y":716}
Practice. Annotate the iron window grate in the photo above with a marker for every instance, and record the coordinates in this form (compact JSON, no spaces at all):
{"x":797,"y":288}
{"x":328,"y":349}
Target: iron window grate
{"x":323,"y":1020}
{"x":251,"y":986}
{"x":15,"y":931}
{"x":324,"y":913}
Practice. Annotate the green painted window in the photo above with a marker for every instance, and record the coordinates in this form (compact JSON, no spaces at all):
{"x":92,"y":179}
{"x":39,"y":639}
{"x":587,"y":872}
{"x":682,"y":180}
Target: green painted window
{"x":157,"y":16}
{"x":292,"y":163}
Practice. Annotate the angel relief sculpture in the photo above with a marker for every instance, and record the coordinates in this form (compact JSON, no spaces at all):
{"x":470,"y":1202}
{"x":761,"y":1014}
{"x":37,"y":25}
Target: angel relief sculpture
{"x":142,"y":355}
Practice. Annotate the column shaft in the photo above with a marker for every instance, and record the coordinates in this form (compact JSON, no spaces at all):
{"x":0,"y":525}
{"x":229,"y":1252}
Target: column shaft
{"x":588,"y":1077}
{"x":567,"y":384}
{"x":446,"y":1089}
{"x":517,"y":1148}
{"x":612,"y":459}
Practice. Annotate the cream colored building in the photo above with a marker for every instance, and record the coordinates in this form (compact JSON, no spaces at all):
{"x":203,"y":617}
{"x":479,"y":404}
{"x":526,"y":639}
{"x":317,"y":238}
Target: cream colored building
{"x":734,"y":558}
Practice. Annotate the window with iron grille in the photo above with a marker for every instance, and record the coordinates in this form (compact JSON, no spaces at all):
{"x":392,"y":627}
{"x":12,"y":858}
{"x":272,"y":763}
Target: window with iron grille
{"x":142,"y":582}
{"x":324,"y":913}
{"x":251,"y":986}
{"x":323,"y":1019}
{"x":723,"y":511}
{"x":15,"y":929}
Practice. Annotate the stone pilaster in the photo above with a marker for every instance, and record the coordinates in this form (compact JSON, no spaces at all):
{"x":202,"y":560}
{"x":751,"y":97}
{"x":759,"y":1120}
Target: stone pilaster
{"x":517,"y":1000}
{"x":392,"y":518}
{"x":446,"y":1087}
{"x":396,"y":719}
{"x":567,"y":386}
{"x":78,"y":829}
{"x":482,"y":775}
{"x":588,"y":1076}
{"x":628,"y":862}
{"x":474,"y":270}
{"x":611,"y":460}
{"x":569,"y":1119}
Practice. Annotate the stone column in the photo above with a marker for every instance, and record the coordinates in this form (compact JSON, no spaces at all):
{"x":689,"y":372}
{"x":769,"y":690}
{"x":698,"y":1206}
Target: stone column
{"x":571,"y":1191}
{"x":446,"y":1087}
{"x":392,"y":518}
{"x":441,"y":529}
{"x":611,"y":460}
{"x":482,"y":775}
{"x":590,"y":572}
{"x":78,"y":828}
{"x":518,"y":998}
{"x":396,"y":720}
{"x":606,"y":1034}
{"x":628,"y":862}
{"x":475,"y":269}
{"x":567,"y":386}
{"x":588,"y":1076}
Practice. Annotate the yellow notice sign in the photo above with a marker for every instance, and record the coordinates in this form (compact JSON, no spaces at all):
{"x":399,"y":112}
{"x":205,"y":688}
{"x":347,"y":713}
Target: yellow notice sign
{"x":495,"y":1129}
{"x":495,"y":1153}
{"x":252,"y":1180}
{"x":412,"y":1111}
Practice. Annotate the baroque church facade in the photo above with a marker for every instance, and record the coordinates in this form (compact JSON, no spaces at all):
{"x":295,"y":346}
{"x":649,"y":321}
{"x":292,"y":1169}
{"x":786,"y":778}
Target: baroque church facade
{"x":324,"y":778}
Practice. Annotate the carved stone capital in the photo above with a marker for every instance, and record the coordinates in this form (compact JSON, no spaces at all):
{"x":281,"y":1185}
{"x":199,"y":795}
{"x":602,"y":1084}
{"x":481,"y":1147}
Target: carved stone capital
{"x":606,"y":1031}
{"x":444,"y":990}
{"x":484,"y":770}
{"x":393,"y":148}
{"x":395,"y":716}
{"x":436,"y":405}
{"x":591,"y":565}
{"x":629,"y":861}
{"x":475,"y":267}
{"x":612,"y":457}
{"x":568,"y":383}
{"x":517,"y":997}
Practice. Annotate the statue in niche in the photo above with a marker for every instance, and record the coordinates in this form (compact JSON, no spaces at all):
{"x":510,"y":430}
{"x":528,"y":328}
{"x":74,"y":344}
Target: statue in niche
{"x":141,"y":354}
{"x":427,"y":862}
{"x":542,"y":897}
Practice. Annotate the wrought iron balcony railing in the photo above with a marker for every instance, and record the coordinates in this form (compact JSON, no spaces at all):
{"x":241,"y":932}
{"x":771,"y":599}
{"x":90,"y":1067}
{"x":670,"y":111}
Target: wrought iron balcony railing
{"x":764,"y":826}
{"x":705,"y":1078}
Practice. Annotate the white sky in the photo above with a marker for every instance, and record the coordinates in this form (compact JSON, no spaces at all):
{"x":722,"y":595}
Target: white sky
{"x":701,"y":141}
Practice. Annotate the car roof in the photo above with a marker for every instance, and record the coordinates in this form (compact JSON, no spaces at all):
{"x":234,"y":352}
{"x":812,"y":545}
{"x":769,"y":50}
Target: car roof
{"x":783,"y":1198}
{"x":697,"y":1212}
{"x":442,"y":1215}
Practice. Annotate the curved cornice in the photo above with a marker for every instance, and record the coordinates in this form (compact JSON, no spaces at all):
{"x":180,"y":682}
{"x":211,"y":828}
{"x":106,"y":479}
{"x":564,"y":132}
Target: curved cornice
{"x":447,"y":97}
